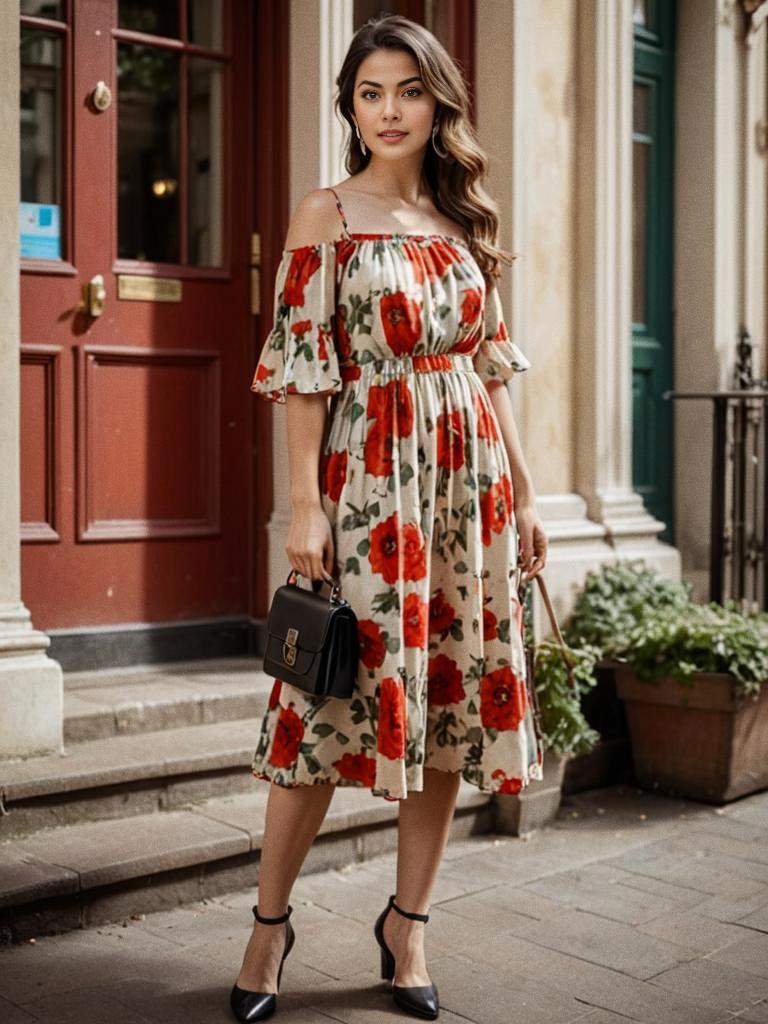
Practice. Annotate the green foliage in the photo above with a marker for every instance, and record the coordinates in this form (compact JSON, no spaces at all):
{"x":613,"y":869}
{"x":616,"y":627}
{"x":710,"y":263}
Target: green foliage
{"x":702,"y":638}
{"x":627,"y":611}
{"x":562,"y":720}
{"x":615,"y":598}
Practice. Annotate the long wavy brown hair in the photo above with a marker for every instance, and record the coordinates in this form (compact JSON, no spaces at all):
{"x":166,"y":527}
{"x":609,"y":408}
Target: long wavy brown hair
{"x":455,"y":180}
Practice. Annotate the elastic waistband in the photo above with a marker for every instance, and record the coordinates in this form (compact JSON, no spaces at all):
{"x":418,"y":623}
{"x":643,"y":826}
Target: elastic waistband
{"x":397,"y":366}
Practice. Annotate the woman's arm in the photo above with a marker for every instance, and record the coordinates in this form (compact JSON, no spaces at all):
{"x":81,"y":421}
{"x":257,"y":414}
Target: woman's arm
{"x":309,"y":546}
{"x":533,"y":540}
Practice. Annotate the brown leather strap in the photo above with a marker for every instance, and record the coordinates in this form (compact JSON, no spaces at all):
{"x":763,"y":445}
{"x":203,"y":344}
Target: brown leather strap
{"x":567,"y":654}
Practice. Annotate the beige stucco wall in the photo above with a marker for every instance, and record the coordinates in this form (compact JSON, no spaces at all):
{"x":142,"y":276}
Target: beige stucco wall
{"x":532,"y":179}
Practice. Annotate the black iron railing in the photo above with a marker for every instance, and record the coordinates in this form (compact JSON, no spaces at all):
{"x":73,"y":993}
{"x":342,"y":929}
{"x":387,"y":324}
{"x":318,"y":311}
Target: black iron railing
{"x":739,"y":499}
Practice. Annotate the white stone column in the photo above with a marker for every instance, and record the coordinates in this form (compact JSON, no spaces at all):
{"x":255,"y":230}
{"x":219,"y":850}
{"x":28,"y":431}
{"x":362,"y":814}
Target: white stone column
{"x":320,"y":33}
{"x":31,"y":687}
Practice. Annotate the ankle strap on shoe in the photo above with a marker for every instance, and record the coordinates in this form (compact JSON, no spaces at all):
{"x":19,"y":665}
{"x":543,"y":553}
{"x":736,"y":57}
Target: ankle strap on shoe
{"x":271,"y":920}
{"x":407,"y":913}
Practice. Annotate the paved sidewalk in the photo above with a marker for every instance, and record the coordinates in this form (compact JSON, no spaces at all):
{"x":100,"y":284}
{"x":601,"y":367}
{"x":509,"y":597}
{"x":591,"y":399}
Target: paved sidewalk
{"x":629,"y":907}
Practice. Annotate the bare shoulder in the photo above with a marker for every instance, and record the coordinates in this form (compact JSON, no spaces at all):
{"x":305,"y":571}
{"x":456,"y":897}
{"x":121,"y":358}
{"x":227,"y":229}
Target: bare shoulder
{"x":315,"y":219}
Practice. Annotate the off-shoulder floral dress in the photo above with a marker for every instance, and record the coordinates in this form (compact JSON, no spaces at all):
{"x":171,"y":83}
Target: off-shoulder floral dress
{"x":415,"y":481}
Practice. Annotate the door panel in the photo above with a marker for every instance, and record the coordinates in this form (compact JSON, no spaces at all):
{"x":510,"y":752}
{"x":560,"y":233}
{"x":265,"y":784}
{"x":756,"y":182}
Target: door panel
{"x":652,"y":257}
{"x":135,"y":420}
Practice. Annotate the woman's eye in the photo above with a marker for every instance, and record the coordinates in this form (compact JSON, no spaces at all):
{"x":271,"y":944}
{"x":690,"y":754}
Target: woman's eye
{"x":372,"y":92}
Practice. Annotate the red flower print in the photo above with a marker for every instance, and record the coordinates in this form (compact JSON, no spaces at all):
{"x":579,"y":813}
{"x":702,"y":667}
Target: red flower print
{"x":489,"y":624}
{"x":414,"y":621}
{"x":506,"y":487}
{"x":503,"y":699}
{"x":494,"y":511}
{"x":441,"y":614}
{"x":390,"y":740}
{"x":385,"y":543}
{"x":444,"y":681}
{"x":274,"y":696}
{"x":391,"y":407}
{"x":301,"y":327}
{"x":357,"y":768}
{"x":378,"y":449}
{"x":304,"y":262}
{"x":323,"y":337}
{"x":373,"y":650}
{"x":383,"y":551}
{"x":342,"y":335}
{"x":289,"y":733}
{"x":486,"y":419}
{"x":471,"y":306}
{"x":401,"y":318}
{"x":510,"y":784}
{"x":432,"y":261}
{"x":345,"y":248}
{"x":333,"y":473}
{"x":450,"y":440}
{"x":262,"y":372}
{"x":414,"y":553}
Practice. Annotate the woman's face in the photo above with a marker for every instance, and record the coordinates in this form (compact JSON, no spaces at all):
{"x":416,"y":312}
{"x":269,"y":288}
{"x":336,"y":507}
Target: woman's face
{"x":390,"y":95}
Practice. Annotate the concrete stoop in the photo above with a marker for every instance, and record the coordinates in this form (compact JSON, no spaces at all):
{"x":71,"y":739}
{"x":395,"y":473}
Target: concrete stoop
{"x":158,"y":807}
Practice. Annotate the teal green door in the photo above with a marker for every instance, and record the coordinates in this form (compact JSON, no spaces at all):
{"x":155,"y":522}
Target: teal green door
{"x":652,"y":257}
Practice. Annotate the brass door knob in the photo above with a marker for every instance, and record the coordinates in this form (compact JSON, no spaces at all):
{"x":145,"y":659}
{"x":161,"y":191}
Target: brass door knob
{"x":94,"y":296}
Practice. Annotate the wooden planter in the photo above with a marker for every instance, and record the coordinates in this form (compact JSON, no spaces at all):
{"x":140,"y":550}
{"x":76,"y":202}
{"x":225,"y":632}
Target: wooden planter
{"x":697,"y":741}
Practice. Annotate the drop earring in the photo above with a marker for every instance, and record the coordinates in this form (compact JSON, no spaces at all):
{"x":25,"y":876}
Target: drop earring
{"x":362,"y":144}
{"x":441,"y":153}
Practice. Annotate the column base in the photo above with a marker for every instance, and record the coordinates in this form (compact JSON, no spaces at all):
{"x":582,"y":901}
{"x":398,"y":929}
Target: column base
{"x":31,"y":689}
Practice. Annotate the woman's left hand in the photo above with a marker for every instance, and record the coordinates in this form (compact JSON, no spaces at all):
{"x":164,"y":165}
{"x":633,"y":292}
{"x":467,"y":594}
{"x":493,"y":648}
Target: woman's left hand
{"x":532,"y":540}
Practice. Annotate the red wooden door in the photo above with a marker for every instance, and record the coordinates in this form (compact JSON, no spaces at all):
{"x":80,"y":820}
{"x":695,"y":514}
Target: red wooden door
{"x":135,"y":409}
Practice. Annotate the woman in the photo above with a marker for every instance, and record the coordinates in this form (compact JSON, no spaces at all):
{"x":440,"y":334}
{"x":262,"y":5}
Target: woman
{"x":404,"y":491}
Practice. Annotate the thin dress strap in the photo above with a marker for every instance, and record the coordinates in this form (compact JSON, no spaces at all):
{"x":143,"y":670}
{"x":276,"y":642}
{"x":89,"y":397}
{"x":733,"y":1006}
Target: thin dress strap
{"x":340,"y":209}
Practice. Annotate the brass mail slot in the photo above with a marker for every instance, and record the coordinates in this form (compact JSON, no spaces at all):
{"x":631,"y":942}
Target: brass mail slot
{"x":149,"y":289}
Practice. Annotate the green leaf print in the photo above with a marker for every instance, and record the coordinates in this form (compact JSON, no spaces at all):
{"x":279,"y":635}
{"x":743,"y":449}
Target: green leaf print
{"x":323,"y":729}
{"x":363,"y":547}
{"x":342,"y":738}
{"x":461,"y":567}
{"x":367,"y":739}
{"x":352,"y":566}
{"x":393,"y":643}
{"x":313,"y":765}
{"x":406,"y":472}
{"x":456,"y":630}
{"x":356,"y":411}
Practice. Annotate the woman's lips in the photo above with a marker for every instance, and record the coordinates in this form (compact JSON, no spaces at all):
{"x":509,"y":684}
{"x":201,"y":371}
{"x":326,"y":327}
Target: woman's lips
{"x":393,"y":138}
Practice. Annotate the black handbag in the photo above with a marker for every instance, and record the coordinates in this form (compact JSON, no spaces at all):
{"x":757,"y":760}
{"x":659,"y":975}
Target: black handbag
{"x":312,"y":641}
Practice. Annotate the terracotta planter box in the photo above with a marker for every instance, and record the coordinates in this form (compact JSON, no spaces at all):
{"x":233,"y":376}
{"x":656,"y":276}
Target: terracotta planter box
{"x":698,"y":741}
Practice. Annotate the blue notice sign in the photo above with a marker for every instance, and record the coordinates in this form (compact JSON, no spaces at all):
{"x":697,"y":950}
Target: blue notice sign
{"x":40,"y":231}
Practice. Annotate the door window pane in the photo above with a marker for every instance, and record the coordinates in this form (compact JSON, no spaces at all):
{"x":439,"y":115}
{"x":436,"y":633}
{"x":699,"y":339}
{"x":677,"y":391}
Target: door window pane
{"x":148,"y":153}
{"x":158,"y":19}
{"x":40,"y":130}
{"x":204,"y":23}
{"x":43,"y":8}
{"x":205,"y":172}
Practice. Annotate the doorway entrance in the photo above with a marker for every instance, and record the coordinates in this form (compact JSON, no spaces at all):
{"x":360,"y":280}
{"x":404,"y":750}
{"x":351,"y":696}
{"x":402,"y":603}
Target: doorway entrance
{"x":135,"y":225}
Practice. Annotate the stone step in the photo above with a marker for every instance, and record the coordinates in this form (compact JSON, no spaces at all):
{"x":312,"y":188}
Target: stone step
{"x":145,"y":698}
{"x":125,"y":776}
{"x":95,"y":872}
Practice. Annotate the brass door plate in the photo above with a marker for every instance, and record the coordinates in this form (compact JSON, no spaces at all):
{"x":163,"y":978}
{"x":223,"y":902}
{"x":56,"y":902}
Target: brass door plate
{"x":149,"y":289}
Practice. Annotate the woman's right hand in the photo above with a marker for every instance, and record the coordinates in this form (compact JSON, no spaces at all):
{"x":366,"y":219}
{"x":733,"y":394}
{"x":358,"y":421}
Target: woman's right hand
{"x":310,"y":546}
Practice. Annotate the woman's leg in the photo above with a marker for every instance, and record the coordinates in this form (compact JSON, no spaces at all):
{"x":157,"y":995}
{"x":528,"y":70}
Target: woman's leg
{"x":424,"y":825}
{"x":294,"y":816}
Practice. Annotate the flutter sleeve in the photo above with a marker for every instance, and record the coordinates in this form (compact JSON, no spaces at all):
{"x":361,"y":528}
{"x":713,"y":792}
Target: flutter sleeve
{"x":299,"y":355}
{"x":497,"y":357}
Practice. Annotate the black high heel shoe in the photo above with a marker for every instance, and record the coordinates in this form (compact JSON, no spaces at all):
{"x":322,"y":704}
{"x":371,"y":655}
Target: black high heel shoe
{"x":419,"y":999}
{"x":250,"y":1006}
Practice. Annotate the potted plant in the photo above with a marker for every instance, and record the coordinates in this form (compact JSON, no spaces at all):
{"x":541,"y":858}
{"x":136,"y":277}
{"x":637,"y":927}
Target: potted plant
{"x":693,"y":679}
{"x":608,"y":605}
{"x":695,"y":686}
